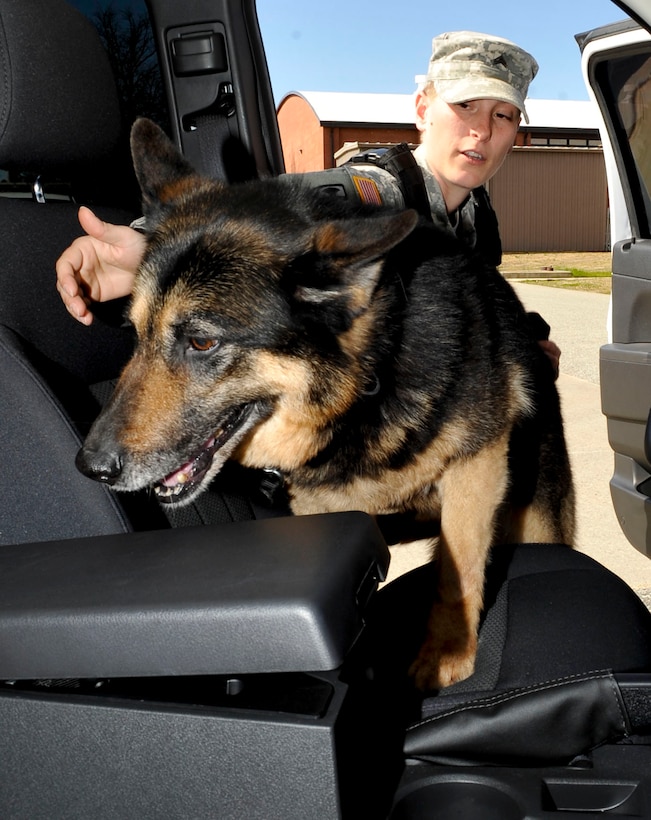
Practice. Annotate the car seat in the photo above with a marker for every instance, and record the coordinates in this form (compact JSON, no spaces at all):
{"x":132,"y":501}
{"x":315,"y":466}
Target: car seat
{"x":251,"y":669}
{"x":61,"y":129}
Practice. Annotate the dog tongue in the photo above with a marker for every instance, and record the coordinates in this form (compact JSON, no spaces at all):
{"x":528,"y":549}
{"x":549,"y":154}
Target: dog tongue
{"x":185,"y":471}
{"x":180,"y":476}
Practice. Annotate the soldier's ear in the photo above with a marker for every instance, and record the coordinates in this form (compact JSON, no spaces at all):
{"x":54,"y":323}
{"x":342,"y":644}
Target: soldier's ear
{"x":422,"y":105}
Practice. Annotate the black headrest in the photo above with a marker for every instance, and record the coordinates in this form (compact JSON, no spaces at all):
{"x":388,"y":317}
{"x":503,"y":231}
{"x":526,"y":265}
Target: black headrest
{"x":58,"y":100}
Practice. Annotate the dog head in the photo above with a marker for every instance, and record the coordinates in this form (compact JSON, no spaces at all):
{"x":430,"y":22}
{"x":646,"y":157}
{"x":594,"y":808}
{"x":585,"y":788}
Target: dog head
{"x":252,"y":310}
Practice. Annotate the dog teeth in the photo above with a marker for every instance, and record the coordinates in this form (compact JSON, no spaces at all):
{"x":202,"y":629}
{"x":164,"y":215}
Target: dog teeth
{"x":189,"y":476}
{"x":167,"y":492}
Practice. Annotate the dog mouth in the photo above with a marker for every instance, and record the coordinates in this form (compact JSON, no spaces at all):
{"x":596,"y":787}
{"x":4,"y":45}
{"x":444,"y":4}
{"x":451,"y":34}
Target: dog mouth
{"x":178,"y":485}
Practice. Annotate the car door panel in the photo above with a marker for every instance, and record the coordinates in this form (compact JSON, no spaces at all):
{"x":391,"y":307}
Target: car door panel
{"x":617,"y":63}
{"x":219,"y":94}
{"x":631,"y":291}
{"x":625,"y":400}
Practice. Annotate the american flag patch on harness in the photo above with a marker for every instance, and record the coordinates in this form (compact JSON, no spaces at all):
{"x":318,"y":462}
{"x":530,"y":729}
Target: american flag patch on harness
{"x":367,"y":190}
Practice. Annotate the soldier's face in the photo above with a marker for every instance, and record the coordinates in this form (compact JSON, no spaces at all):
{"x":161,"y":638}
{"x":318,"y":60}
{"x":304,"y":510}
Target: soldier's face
{"x":465,"y":143}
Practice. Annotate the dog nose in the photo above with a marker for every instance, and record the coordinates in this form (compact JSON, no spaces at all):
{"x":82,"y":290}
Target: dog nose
{"x":100,"y":465}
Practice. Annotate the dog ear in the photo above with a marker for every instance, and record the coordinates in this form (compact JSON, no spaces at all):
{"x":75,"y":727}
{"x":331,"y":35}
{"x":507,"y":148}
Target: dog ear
{"x":352,"y":250}
{"x":157,"y":163}
{"x":363,"y":239}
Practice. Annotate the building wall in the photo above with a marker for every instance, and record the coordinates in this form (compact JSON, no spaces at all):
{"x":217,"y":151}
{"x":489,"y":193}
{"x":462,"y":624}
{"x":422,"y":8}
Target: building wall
{"x":552,"y":199}
{"x":336,"y":136}
{"x":301,"y":135}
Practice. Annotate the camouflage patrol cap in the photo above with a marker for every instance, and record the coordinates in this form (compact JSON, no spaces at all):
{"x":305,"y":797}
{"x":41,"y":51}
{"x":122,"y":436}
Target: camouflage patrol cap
{"x":467,"y":65}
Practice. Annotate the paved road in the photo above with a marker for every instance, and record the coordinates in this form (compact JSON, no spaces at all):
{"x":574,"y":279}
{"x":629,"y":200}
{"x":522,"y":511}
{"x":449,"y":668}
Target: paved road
{"x":578,"y":321}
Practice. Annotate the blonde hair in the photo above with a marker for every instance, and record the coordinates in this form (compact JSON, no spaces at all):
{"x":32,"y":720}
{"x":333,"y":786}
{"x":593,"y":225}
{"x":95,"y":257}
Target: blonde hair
{"x":428,"y":88}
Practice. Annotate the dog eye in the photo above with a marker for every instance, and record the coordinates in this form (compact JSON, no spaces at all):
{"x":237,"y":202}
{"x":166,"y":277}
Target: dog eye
{"x":201,"y":344}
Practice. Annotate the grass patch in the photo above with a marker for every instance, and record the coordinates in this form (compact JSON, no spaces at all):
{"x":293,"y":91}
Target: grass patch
{"x":582,"y":274}
{"x":580,"y":280}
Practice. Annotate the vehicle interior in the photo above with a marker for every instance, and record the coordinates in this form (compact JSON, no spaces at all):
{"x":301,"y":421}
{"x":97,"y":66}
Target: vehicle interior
{"x":231,"y":660}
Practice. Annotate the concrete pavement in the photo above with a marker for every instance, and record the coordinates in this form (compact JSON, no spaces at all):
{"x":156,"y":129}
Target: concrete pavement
{"x":578,"y":322}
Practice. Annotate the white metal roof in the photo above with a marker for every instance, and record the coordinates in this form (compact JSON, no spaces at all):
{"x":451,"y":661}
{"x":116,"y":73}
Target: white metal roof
{"x":335,"y":106}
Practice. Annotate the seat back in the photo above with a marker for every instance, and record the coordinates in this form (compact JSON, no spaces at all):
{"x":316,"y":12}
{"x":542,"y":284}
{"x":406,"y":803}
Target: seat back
{"x":59,"y":120}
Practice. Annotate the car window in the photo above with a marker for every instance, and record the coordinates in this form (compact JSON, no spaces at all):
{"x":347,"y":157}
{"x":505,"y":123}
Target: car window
{"x":128,"y":38}
{"x":625,"y":82}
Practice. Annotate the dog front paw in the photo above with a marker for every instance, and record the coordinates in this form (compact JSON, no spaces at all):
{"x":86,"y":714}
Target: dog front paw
{"x":448,"y":651}
{"x":436,"y":668}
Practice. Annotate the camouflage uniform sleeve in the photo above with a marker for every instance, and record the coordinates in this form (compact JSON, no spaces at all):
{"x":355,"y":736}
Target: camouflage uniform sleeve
{"x":358,"y":183}
{"x":375,"y":185}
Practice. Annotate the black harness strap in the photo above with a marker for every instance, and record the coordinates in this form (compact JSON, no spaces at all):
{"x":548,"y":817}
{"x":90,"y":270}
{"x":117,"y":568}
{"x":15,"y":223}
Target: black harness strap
{"x":488,"y":243}
{"x":399,"y":161}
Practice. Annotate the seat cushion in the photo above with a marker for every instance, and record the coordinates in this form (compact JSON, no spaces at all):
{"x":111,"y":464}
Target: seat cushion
{"x":556,"y":626}
{"x":33,"y":237}
{"x":550,"y":612}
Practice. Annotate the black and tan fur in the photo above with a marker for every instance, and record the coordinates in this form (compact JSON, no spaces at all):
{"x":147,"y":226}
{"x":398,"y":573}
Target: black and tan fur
{"x":362,"y":353}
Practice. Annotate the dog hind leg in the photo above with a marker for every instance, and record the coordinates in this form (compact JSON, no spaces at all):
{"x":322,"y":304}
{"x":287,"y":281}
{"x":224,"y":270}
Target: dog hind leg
{"x":549,"y":515}
{"x":541,"y":523}
{"x":471,"y":492}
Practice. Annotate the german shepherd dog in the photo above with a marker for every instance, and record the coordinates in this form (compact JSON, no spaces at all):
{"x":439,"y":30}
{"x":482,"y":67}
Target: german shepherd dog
{"x":360,"y":351}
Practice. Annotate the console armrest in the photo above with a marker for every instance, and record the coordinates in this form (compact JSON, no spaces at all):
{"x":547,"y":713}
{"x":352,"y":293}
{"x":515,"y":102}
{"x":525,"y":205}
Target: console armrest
{"x":276,"y":595}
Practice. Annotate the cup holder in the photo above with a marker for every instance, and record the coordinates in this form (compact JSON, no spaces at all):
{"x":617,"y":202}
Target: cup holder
{"x":456,"y":799}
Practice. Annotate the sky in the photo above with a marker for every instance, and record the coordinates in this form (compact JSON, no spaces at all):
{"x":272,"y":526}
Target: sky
{"x":349,"y":45}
